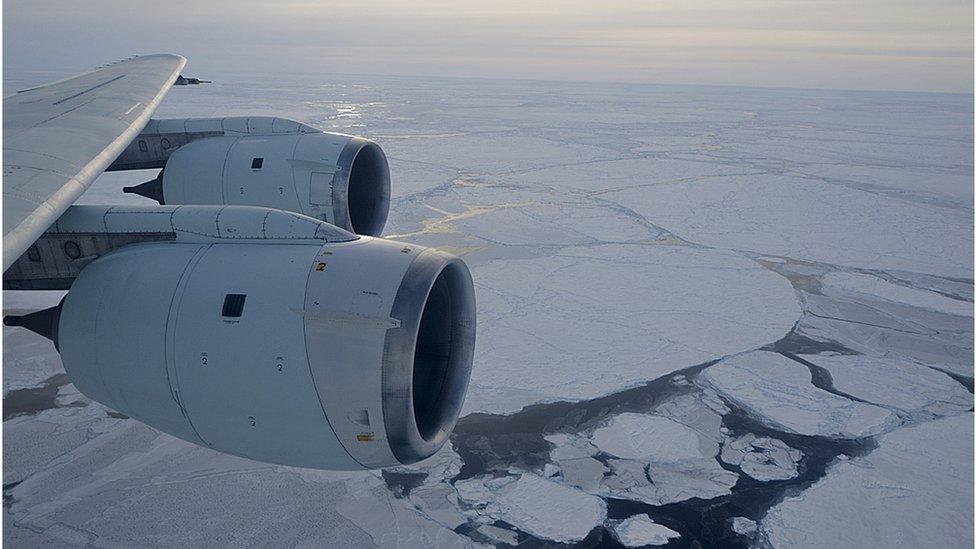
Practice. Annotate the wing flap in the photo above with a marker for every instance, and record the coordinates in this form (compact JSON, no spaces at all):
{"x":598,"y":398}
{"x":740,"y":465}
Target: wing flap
{"x":59,"y":137}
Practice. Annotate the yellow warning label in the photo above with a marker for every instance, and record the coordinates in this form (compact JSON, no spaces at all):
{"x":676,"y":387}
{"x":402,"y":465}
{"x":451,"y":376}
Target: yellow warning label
{"x":366,"y":437}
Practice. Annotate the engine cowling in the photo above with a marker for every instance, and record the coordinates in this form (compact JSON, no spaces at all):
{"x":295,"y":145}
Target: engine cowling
{"x":270,"y":162}
{"x":352,"y":354}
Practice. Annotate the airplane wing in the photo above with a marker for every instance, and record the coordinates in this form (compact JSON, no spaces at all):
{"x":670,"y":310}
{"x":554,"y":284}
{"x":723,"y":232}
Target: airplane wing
{"x":326,"y":349}
{"x":59,"y":137}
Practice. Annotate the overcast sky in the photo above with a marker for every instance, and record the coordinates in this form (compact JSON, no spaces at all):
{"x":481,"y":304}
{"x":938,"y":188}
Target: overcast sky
{"x":924,"y":45}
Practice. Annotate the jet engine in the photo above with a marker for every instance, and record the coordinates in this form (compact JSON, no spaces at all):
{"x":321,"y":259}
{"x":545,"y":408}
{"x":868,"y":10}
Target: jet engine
{"x":267,"y":334}
{"x":262,"y":161}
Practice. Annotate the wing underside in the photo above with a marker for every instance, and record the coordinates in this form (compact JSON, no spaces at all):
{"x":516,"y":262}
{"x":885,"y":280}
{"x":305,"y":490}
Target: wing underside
{"x":59,"y":137}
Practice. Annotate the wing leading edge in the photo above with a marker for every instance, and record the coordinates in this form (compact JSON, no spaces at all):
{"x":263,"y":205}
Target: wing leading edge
{"x":59,"y":137}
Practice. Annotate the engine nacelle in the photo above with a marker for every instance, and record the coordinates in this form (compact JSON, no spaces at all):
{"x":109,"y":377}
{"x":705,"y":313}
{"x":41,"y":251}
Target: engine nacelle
{"x":269,"y":162}
{"x":351,"y":354}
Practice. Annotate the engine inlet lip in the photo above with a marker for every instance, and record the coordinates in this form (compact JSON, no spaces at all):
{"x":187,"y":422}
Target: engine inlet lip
{"x":354,"y":154}
{"x":405,"y":437}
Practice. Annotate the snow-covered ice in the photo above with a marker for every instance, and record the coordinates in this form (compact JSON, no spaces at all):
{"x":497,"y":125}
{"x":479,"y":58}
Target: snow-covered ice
{"x":500,"y":535}
{"x":909,"y":323}
{"x":584,"y":472}
{"x":914,"y":490}
{"x":434,"y":497}
{"x":762,"y":458}
{"x":661,"y":461}
{"x":895,"y":383}
{"x":660,"y":484}
{"x":836,"y":223}
{"x":367,"y":504}
{"x":641,"y":530}
{"x":651,"y":459}
{"x":875,"y":287}
{"x":646,"y":437}
{"x":744,"y":526}
{"x":534,"y":505}
{"x":131,"y":486}
{"x":590,"y":321}
{"x":780,"y":393}
{"x":28,"y":359}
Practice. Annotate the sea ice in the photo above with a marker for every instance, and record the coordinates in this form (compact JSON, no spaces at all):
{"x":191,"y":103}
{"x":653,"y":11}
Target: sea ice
{"x":896,"y":383}
{"x":779,"y":392}
{"x":743,"y":526}
{"x":500,"y":535}
{"x":534,"y":505}
{"x":435,"y":498}
{"x":701,"y":410}
{"x":570,"y":447}
{"x":873,"y":325}
{"x":538,"y":221}
{"x":647,"y":437}
{"x":879,"y":288}
{"x":762,"y":458}
{"x":660,"y":484}
{"x":29,"y":360}
{"x":640,"y":530}
{"x":914,"y":490}
{"x":573,"y":462}
{"x":589,"y":321}
{"x":120,"y":483}
{"x":48,"y":436}
{"x":836,"y":224}
{"x":585,"y":473}
{"x":391,"y":522}
{"x":489,"y":152}
{"x":653,"y":459}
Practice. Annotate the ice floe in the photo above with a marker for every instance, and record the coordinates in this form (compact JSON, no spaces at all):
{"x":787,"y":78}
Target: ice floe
{"x":584,"y":472}
{"x":896,"y":383}
{"x":641,"y":530}
{"x":434,"y":497}
{"x":660,"y":484}
{"x":762,"y":458}
{"x":877,"y":287}
{"x":914,"y":490}
{"x":651,"y":459}
{"x":842,"y":314}
{"x":535,"y":505}
{"x":836,"y":224}
{"x":744,"y":526}
{"x":391,"y":522}
{"x":779,"y":392}
{"x":589,"y":321}
{"x":647,"y":437}
{"x":498,"y":535}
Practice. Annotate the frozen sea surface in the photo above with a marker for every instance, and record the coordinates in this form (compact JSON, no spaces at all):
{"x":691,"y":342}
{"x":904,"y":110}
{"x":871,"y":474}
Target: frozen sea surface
{"x":906,"y":387}
{"x":699,"y":309}
{"x":780,"y":391}
{"x":915,"y":490}
{"x":640,"y":530}
{"x":534,"y":505}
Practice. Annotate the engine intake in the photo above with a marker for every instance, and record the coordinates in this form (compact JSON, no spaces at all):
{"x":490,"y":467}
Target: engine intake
{"x":270,"y":162}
